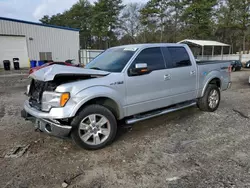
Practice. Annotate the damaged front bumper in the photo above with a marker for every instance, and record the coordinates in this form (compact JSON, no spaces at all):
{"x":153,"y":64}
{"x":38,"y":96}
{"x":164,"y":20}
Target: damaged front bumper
{"x":45,"y":121}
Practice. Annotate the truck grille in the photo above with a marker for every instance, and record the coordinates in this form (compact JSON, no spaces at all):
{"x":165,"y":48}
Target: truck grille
{"x":36,"y":91}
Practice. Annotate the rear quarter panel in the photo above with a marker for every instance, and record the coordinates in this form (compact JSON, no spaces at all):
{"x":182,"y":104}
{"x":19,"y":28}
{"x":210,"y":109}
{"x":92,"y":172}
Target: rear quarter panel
{"x":207,"y":72}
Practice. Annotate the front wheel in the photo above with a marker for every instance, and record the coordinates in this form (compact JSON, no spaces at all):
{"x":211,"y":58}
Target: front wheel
{"x":94,"y":127}
{"x":211,"y":99}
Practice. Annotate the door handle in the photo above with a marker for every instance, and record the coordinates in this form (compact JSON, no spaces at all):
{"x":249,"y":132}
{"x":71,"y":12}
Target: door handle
{"x":167,"y":77}
{"x":192,"y":73}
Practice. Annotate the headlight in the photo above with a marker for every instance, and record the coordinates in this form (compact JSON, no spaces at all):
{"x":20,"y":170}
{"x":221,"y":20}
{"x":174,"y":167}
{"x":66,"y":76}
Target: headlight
{"x":53,"y":99}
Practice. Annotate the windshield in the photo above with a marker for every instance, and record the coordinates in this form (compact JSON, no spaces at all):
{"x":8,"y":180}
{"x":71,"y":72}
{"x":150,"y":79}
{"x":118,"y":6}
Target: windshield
{"x":112,"y":60}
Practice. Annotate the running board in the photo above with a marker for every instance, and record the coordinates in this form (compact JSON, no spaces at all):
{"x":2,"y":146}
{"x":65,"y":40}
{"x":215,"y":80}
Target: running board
{"x":159,"y":112}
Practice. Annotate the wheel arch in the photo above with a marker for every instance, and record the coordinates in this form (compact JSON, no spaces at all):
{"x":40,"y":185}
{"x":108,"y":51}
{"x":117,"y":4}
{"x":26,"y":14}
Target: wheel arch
{"x":105,"y":101}
{"x":215,"y":81}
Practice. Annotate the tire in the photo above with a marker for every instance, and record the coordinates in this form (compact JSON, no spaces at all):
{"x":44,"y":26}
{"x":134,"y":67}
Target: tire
{"x":87,"y":127}
{"x":204,"y":104}
{"x":233,"y":69}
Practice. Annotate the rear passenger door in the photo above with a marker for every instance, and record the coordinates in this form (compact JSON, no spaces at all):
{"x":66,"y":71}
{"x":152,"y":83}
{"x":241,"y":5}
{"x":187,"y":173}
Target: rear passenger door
{"x":149,"y":91}
{"x":182,"y":74}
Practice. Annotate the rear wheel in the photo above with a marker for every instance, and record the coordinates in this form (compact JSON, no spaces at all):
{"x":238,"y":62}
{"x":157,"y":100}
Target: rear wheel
{"x":94,"y":127}
{"x":211,"y":99}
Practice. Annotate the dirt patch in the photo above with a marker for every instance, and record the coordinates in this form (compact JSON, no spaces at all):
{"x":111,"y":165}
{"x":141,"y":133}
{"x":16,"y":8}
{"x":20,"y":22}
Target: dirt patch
{"x":2,"y":110}
{"x":185,"y":149}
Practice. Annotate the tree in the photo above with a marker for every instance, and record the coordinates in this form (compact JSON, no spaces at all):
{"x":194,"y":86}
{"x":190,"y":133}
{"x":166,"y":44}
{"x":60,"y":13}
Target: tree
{"x":243,"y":19}
{"x":197,"y":16}
{"x":78,"y":16}
{"x":105,"y":20}
{"x":154,"y":15}
{"x":45,"y":19}
{"x":174,"y":23}
{"x":130,"y":22}
{"x":108,"y":22}
{"x":226,"y":29}
{"x":233,"y":23}
{"x":57,"y":19}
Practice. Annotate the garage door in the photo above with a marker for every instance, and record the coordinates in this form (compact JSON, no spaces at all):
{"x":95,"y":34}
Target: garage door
{"x":13,"y":47}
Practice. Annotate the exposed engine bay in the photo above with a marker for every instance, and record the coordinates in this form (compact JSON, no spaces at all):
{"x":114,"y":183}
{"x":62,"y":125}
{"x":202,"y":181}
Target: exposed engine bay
{"x":49,"y":78}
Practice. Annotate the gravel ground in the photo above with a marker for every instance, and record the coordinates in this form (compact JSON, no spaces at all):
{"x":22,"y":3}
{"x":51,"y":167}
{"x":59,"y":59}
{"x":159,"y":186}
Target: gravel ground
{"x":185,"y":149}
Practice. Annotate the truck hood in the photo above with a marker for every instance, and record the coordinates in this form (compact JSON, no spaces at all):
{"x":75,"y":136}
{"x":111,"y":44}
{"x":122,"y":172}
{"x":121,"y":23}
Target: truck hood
{"x":49,"y":73}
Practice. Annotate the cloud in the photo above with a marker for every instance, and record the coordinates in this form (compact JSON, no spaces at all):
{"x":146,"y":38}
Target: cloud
{"x":50,"y":7}
{"x":33,"y":10}
{"x":17,"y":9}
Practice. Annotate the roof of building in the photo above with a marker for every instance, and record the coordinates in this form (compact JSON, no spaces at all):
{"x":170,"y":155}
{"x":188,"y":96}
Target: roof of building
{"x":203,"y":42}
{"x":39,"y":24}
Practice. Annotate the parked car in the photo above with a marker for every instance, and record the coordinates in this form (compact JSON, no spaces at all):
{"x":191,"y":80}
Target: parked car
{"x":66,"y":63}
{"x":247,"y":64}
{"x":236,"y":65}
{"x":131,"y":83}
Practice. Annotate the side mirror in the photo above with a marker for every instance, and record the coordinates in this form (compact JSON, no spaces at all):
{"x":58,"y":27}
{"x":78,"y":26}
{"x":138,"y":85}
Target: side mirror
{"x":140,"y":69}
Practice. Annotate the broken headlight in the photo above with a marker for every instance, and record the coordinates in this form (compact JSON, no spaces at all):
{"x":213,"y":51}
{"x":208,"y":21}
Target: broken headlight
{"x":53,"y":99}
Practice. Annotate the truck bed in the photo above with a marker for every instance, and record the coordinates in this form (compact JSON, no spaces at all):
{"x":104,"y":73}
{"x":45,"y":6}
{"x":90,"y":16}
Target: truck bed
{"x":220,"y":68}
{"x":212,"y":62}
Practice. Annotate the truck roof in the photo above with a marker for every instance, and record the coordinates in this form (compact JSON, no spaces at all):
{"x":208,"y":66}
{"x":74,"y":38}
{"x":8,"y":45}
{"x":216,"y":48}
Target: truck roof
{"x":148,"y":45}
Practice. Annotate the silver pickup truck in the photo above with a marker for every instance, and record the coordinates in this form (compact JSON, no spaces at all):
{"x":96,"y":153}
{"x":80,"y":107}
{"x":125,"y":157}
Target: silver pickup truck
{"x":131,"y":83}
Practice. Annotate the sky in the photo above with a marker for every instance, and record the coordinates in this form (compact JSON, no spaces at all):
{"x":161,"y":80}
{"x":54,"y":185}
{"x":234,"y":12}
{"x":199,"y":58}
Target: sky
{"x":33,"y":10}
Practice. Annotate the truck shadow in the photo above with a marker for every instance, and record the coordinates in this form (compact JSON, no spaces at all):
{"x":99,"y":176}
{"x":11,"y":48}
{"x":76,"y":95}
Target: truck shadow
{"x":145,"y":126}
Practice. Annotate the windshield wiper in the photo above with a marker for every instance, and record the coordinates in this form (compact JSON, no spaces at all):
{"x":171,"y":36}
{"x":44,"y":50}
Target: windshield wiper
{"x":96,"y":68}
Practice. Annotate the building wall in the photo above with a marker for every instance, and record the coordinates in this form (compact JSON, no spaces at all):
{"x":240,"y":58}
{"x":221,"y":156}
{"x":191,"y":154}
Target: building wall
{"x":64,"y":44}
{"x":14,"y":47}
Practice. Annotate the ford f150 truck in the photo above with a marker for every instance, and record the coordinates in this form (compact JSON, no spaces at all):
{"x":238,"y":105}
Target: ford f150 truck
{"x":131,"y":83}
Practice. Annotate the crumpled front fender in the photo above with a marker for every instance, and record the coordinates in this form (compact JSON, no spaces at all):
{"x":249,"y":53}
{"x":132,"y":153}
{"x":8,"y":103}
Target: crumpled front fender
{"x":97,"y":92}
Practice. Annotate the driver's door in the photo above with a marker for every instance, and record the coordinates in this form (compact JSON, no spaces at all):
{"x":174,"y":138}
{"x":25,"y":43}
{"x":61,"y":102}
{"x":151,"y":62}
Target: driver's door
{"x":148,"y":91}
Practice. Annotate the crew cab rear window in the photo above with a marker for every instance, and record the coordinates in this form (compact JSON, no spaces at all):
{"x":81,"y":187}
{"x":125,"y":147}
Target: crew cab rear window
{"x":153,"y":57}
{"x":179,"y":57}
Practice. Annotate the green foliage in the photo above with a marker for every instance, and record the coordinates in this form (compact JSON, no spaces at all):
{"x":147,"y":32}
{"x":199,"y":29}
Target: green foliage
{"x":197,"y":17}
{"x":78,"y":16}
{"x":154,"y":15}
{"x":105,"y":20}
{"x":45,"y":19}
{"x":233,"y":23}
{"x":108,"y":22}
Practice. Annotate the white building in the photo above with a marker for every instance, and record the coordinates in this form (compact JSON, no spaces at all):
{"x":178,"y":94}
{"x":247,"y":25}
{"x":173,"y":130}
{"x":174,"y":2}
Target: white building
{"x":35,"y":41}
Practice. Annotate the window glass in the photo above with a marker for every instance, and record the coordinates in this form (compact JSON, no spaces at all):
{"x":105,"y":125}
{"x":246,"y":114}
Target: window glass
{"x":180,"y":57}
{"x":112,"y":60}
{"x":153,"y":57}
